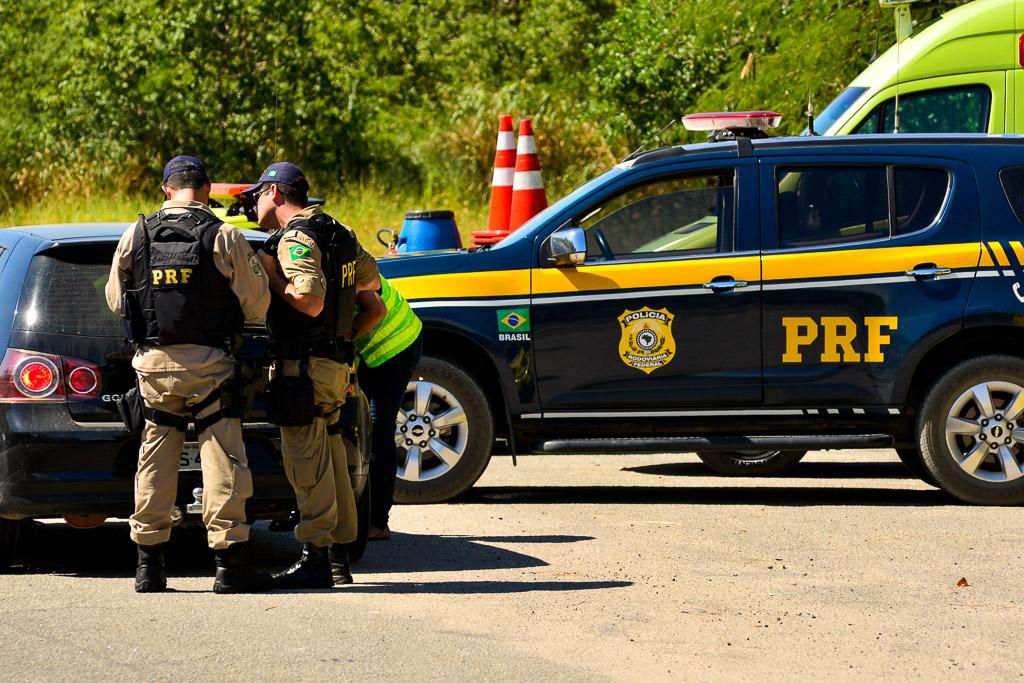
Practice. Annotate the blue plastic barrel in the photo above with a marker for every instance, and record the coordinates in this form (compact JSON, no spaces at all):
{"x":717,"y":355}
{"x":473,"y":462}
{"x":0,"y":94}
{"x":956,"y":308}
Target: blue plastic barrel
{"x":427,"y":231}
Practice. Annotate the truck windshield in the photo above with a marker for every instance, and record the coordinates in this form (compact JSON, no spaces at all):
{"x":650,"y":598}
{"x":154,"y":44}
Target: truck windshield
{"x":835,"y":109}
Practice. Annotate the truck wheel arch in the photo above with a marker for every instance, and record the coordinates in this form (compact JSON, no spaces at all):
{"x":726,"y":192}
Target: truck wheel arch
{"x":953,"y":350}
{"x":475,"y":360}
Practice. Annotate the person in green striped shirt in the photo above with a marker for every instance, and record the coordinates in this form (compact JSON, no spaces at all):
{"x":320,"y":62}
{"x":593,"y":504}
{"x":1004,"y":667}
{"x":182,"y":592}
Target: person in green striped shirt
{"x":388,"y":355}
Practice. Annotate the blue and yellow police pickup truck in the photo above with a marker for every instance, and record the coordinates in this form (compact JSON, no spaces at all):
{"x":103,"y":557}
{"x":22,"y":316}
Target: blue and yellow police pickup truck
{"x":746,"y":299}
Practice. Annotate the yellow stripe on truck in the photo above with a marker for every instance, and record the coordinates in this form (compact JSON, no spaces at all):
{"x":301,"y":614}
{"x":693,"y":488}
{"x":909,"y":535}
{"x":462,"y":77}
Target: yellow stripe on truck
{"x":656,"y":274}
{"x":644,"y":274}
{"x":997,"y":249}
{"x":1018,"y":251}
{"x":505,"y":283}
{"x":824,"y":264}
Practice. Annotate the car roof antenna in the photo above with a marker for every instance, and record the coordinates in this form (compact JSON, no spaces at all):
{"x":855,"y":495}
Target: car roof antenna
{"x":904,"y":30}
{"x":648,"y":141}
{"x":875,"y":54}
{"x":810,"y":115}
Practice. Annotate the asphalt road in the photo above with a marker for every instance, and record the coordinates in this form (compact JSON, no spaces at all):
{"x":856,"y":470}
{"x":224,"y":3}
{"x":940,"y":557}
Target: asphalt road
{"x":567,"y":568}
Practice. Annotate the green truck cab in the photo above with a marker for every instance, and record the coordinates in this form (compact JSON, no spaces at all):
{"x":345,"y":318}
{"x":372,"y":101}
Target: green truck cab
{"x":960,"y":74}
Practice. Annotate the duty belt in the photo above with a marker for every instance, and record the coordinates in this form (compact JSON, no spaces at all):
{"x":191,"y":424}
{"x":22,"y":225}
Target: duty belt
{"x":297,"y":349}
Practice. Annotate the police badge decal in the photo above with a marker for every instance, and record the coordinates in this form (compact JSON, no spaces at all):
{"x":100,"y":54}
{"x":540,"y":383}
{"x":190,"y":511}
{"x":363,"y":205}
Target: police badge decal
{"x":647,"y":343}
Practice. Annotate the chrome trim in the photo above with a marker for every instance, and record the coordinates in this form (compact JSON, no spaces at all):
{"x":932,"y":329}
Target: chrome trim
{"x":701,"y":413}
{"x":468,"y":303}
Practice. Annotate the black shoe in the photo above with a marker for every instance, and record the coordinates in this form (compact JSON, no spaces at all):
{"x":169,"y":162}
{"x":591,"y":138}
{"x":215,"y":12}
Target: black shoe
{"x":313,"y":570}
{"x":341,"y":568}
{"x":233,"y":576}
{"x":150,"y":576}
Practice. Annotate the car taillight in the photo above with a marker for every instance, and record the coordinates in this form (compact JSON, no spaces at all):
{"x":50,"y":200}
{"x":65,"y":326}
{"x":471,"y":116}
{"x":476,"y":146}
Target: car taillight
{"x":31,"y":376}
{"x":83,"y":378}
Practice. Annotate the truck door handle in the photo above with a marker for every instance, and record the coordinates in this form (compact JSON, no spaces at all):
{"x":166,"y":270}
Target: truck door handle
{"x":928,"y":270}
{"x":724,"y":285}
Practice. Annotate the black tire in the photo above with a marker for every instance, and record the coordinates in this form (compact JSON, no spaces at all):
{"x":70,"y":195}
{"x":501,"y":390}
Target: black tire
{"x":751,"y":463}
{"x":938,"y":458}
{"x":911,"y":458}
{"x":10,"y":532}
{"x":357,"y":547}
{"x":479,"y":435}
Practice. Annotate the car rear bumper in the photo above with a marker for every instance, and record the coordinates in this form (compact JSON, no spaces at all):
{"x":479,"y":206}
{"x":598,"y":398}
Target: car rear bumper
{"x":51,"y":466}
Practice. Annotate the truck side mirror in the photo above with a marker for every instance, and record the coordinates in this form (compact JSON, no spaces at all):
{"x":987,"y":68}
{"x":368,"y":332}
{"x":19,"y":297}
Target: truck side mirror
{"x":567,"y":247}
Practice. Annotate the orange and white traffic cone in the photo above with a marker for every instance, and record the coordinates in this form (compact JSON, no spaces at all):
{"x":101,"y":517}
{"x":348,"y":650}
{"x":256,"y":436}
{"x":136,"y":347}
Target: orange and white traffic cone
{"x":504,"y":171}
{"x":528,"y":196}
{"x":501,"y":186}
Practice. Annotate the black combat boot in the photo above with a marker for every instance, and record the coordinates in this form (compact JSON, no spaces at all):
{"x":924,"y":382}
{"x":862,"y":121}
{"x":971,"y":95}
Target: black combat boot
{"x":150,"y":576}
{"x":341,"y":569}
{"x":313,"y":570}
{"x":233,"y":574}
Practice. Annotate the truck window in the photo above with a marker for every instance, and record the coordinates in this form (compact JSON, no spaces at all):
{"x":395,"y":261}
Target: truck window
{"x":836,"y":205}
{"x":1012,"y":180}
{"x":947,"y":110}
{"x":682,"y":215}
{"x":831,"y":205}
{"x":920,"y":193}
{"x":63,"y":294}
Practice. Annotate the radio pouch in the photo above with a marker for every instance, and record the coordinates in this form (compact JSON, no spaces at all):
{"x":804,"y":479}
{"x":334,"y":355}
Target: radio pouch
{"x":238,"y":392}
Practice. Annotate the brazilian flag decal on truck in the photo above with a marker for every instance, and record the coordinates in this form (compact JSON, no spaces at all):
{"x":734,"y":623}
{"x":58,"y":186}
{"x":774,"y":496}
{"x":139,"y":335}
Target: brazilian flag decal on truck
{"x":513,"y":324}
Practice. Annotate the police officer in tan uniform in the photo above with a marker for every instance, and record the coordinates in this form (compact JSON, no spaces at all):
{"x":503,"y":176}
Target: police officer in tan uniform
{"x":316,"y":266}
{"x":185,"y":282}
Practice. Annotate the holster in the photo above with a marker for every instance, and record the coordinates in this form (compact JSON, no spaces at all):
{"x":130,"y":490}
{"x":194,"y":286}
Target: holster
{"x":289,"y":400}
{"x":238,"y":393}
{"x":130,"y":406}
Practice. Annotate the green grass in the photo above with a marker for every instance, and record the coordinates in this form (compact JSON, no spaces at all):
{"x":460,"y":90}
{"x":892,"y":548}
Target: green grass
{"x":366,"y":209}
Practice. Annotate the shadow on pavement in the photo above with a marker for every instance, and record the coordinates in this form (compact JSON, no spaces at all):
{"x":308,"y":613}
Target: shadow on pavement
{"x":406,"y":553}
{"x":483,"y":587}
{"x":792,"y":496}
{"x":108,"y":552}
{"x":803,"y":470}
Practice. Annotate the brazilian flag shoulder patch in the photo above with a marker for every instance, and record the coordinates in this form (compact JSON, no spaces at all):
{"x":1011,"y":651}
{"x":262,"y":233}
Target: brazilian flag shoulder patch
{"x":298,"y":251}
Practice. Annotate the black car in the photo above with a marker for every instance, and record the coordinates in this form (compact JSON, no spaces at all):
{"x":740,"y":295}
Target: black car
{"x":64,"y":451}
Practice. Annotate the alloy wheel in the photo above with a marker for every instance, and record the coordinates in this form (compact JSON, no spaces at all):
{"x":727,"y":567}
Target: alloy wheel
{"x":984,"y":431}
{"x":432,"y":432}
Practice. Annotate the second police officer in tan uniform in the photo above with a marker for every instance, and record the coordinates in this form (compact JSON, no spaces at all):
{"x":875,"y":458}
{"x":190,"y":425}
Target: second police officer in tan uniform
{"x":315,"y":265}
{"x":186,"y":282}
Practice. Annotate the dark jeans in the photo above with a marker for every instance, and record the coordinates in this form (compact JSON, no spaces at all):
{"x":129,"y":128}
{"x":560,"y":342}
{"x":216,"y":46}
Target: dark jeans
{"x":385,"y":386}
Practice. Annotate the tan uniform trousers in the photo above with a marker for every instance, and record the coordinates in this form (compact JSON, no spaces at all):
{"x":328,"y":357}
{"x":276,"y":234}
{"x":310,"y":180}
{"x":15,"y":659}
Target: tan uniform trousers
{"x":227,"y":482}
{"x":316,"y":462}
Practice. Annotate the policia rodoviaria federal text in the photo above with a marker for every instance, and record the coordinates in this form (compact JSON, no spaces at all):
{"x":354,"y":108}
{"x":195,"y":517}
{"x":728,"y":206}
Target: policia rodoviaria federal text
{"x":315,"y":266}
{"x":185,"y":283}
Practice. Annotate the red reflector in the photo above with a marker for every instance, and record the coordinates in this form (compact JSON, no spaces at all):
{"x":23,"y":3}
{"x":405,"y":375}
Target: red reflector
{"x":82,"y":380}
{"x":1020,"y":49}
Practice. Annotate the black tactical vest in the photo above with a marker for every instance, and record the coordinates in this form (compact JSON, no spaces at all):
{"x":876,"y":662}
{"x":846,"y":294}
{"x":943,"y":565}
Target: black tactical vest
{"x":175,"y":294}
{"x":297,"y":334}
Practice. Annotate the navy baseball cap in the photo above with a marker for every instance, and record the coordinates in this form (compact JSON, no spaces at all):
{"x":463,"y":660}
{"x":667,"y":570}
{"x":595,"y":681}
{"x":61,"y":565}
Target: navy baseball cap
{"x":281,"y":172}
{"x":183,"y":163}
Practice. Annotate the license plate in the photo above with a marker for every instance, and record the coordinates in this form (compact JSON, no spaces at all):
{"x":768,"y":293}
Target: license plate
{"x":190,"y":458}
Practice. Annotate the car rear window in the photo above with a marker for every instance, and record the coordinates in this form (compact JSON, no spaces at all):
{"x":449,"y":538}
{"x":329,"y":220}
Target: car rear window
{"x":63,"y":293}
